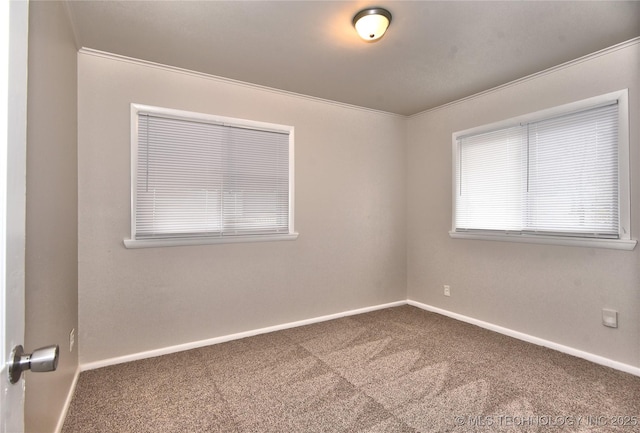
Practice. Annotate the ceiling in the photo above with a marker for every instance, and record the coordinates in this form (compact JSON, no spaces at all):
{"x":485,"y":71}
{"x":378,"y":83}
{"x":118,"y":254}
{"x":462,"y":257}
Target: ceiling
{"x":434,"y":52}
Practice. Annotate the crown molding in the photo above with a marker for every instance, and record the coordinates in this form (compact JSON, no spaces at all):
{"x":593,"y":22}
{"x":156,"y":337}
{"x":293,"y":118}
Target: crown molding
{"x":175,"y":69}
{"x":570,"y":63}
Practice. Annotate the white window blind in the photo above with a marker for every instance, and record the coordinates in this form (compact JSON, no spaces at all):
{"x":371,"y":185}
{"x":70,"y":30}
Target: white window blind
{"x":573,"y":174}
{"x":196,"y":178}
{"x":553,"y":177}
{"x":491,"y":173}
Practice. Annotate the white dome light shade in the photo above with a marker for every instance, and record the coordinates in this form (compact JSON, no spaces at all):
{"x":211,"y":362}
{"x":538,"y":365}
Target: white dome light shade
{"x":372,"y":23}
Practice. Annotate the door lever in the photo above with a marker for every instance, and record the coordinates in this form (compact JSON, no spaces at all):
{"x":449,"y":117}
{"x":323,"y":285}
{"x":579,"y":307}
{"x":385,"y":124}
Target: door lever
{"x":41,"y":360}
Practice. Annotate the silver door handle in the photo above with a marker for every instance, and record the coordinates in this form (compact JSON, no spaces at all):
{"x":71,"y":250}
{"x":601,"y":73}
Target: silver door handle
{"x":41,"y":360}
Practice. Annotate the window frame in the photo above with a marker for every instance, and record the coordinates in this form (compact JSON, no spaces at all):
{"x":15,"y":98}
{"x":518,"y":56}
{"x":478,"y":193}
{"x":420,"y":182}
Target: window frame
{"x":132,"y":242}
{"x":624,"y":241}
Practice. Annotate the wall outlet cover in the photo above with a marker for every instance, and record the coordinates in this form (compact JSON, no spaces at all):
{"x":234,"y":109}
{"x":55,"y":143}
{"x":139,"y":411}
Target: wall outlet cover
{"x":609,"y":318}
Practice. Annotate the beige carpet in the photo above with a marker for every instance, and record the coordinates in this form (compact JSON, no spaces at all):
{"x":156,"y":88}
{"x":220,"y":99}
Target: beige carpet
{"x":395,"y":370}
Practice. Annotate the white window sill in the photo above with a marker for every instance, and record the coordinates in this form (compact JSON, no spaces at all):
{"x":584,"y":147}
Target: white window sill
{"x":157,"y":243}
{"x":615,"y":244}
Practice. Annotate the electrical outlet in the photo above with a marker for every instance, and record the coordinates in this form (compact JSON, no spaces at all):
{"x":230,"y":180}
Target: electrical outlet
{"x":610,"y":318}
{"x":447,"y":291}
{"x":72,"y":339}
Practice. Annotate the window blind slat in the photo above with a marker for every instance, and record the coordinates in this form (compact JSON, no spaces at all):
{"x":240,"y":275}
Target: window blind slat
{"x":208,"y":179}
{"x":558,"y":176}
{"x":573,"y":184}
{"x":491,"y":181}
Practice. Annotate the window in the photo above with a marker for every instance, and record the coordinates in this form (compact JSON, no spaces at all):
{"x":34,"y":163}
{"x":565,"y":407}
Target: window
{"x":556,"y":176}
{"x":200,"y":179}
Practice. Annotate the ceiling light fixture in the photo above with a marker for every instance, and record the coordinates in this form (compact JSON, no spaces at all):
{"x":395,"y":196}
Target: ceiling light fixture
{"x":371,"y":23}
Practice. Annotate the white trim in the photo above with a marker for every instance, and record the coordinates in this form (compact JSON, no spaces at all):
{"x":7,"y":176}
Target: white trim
{"x":292,"y":184}
{"x":620,"y":96}
{"x":133,"y":170}
{"x":535,"y":75}
{"x":14,"y":89}
{"x":237,"y":336}
{"x":146,"y":63}
{"x":170,"y":113}
{"x":531,"y":339}
{"x":67,"y":402}
{"x":482,"y":324}
{"x":624,"y":165}
{"x":156,"y":243}
{"x":614,"y":244}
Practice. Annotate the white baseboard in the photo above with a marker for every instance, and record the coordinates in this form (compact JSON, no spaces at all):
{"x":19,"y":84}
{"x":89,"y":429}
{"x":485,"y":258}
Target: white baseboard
{"x":531,"y":339}
{"x":225,"y":338}
{"x":67,"y":402}
{"x":486,"y":325}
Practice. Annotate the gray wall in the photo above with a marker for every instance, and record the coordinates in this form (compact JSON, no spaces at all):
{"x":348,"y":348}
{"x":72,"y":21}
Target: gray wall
{"x":373,"y":208}
{"x":52,"y":208}
{"x":359,"y":244}
{"x":349,"y":211}
{"x":551,"y":292}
